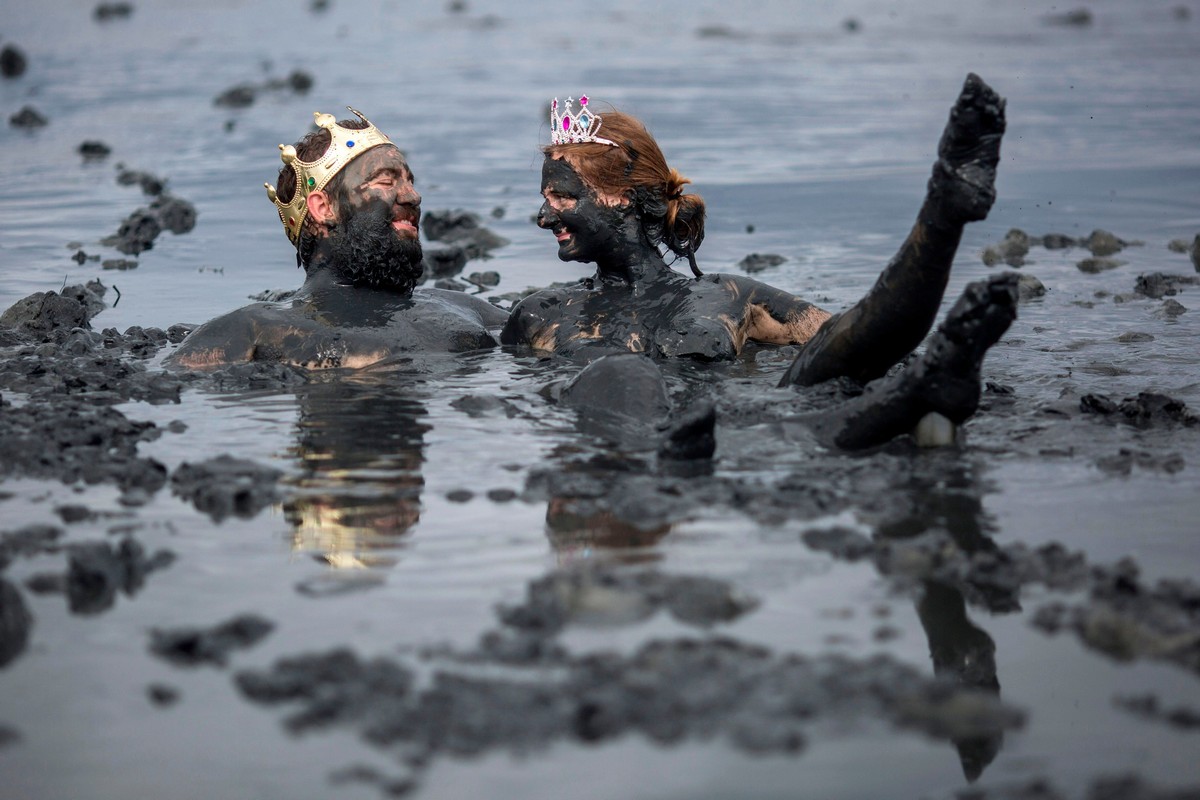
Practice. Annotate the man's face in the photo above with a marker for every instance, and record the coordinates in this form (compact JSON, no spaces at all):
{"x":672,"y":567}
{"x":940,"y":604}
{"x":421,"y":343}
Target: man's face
{"x":587,"y":229}
{"x":374,"y":240}
{"x":382,"y":175}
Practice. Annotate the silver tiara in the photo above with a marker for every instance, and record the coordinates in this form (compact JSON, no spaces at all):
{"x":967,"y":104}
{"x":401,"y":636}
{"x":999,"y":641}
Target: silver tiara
{"x":567,"y":127}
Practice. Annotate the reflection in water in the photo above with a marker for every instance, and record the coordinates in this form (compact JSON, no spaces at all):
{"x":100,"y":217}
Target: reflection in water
{"x":360,"y":444}
{"x":951,"y":500}
{"x":965,"y":654}
{"x":577,"y":533}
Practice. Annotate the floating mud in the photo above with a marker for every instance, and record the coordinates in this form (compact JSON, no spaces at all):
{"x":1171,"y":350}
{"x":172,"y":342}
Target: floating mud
{"x":194,"y":646}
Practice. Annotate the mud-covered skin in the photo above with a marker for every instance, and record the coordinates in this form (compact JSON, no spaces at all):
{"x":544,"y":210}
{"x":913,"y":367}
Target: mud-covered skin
{"x":635,"y":302}
{"x":330,"y":325}
{"x":664,"y":314}
{"x":864,"y":341}
{"x":945,"y":379}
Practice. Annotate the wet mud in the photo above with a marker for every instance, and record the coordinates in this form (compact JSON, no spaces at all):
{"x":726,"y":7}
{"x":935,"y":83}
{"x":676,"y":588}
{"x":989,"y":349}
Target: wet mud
{"x":668,"y":690}
{"x":12,"y":61}
{"x":466,"y":239}
{"x":28,"y":118}
{"x":245,"y":94}
{"x":165,"y":213}
{"x":225,"y":486}
{"x":192,"y":646}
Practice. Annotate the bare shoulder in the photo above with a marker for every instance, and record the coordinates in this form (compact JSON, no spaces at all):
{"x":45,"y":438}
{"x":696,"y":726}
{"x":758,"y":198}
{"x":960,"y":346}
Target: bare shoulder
{"x":490,"y":315}
{"x":231,"y":338}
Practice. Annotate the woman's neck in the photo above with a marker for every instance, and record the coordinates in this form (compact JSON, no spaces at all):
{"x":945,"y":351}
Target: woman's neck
{"x":631,"y":260}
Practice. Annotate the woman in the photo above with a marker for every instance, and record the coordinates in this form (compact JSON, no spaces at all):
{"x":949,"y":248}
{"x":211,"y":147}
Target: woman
{"x":611,"y":199}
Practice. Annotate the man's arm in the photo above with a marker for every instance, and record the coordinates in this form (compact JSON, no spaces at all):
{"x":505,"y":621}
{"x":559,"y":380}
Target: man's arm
{"x":228,"y":339}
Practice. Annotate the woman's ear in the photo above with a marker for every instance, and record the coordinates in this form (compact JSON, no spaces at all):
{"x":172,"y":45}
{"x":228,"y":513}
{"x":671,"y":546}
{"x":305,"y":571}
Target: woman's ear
{"x":320,"y":207}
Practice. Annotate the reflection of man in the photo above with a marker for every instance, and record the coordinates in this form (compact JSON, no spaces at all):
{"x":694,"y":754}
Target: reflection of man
{"x":346,"y":198}
{"x":360,"y":450}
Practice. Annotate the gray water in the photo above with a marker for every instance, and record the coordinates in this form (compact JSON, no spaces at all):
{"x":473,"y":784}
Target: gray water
{"x":817,"y":136}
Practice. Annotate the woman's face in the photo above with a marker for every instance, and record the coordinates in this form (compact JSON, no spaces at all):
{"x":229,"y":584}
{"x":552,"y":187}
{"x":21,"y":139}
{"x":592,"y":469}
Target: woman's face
{"x":587,"y":228}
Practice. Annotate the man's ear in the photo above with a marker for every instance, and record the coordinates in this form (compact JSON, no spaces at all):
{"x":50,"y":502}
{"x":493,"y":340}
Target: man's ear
{"x":320,"y":207}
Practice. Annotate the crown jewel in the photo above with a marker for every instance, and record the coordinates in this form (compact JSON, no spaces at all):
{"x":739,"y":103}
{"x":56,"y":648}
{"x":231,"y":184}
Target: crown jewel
{"x":344,"y":146}
{"x":568,"y":127}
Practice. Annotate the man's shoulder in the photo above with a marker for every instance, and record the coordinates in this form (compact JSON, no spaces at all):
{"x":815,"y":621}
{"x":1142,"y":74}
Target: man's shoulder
{"x":489,"y":314}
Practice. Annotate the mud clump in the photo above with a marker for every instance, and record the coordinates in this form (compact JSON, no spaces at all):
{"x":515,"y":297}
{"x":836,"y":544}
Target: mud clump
{"x":226,"y":486}
{"x":1075,"y":18}
{"x":105,"y":12}
{"x":463,"y":229}
{"x":150,"y":184}
{"x":12,"y":61}
{"x":1011,"y":251}
{"x":1147,"y":706}
{"x":55,"y":352}
{"x":444,"y":262}
{"x":76,"y":440}
{"x":1016,"y":245}
{"x":1094,"y":266}
{"x":759,"y":262}
{"x":93,"y":150}
{"x":1127,"y":620}
{"x":1125,"y":459}
{"x":468,"y":240}
{"x":1158,"y":285}
{"x":244,"y":95}
{"x":162,"y":695}
{"x":669,"y":691}
{"x":605,"y":596}
{"x":30,"y":540}
{"x":139,"y":230}
{"x":41,"y":314}
{"x":194,"y":646}
{"x":97,"y":571}
{"x":29,"y":118}
{"x":1147,"y":410}
{"x":843,"y":544}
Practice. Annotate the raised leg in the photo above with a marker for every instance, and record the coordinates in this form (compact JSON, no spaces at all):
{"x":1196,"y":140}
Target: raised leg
{"x":944,"y":379}
{"x":867,"y":339}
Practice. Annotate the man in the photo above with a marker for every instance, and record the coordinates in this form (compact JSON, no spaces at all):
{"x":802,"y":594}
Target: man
{"x":346,"y":199}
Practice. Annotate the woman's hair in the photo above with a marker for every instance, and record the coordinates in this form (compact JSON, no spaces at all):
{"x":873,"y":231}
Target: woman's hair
{"x":311,"y":147}
{"x":636,"y":166}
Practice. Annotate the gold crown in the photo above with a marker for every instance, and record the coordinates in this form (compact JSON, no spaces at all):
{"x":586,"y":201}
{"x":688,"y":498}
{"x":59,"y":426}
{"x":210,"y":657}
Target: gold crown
{"x":345,"y":145}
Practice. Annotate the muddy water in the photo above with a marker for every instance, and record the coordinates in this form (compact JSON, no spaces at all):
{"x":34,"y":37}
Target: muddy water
{"x":410,"y":505}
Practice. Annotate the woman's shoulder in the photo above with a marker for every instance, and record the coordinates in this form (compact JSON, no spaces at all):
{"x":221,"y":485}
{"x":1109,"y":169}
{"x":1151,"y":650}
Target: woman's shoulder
{"x":553,"y":294}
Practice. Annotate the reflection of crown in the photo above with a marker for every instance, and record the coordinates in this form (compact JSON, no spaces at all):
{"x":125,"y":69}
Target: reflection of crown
{"x":577,"y":128}
{"x":344,"y":146}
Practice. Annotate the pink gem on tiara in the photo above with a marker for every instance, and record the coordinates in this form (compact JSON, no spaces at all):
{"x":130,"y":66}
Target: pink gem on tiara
{"x":583,"y":100}
{"x":566,"y":123}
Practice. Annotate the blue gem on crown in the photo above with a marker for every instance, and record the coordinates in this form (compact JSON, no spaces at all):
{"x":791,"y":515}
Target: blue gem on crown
{"x":575,"y":127}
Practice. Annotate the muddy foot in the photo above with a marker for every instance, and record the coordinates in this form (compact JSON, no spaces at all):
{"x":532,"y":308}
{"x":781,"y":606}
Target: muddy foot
{"x":948,"y":371}
{"x":964,"y":178}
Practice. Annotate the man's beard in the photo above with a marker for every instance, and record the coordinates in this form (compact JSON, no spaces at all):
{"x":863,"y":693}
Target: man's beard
{"x":364,"y":249}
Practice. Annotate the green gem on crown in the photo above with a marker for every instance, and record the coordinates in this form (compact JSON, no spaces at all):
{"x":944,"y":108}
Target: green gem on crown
{"x":312,"y":181}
